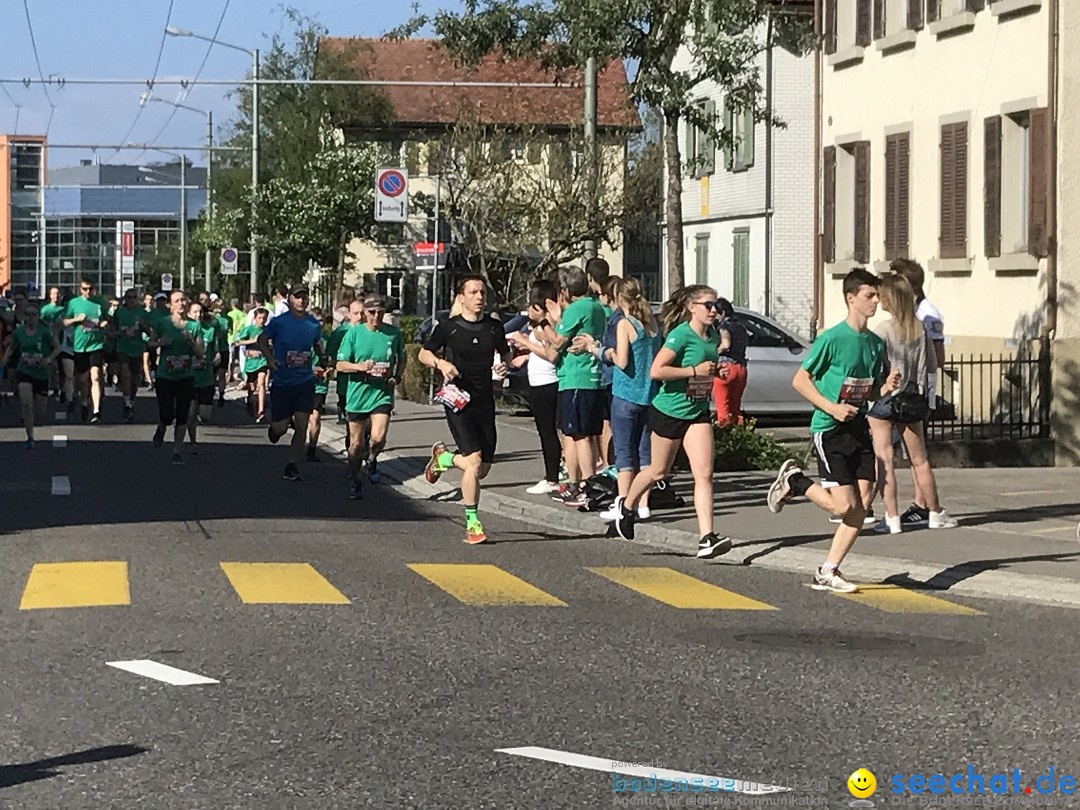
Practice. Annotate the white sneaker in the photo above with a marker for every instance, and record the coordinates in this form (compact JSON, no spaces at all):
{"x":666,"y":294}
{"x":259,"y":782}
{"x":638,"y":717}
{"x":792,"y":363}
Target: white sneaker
{"x":870,"y":519}
{"x":644,"y":513}
{"x":610,"y":513}
{"x":542,"y":487}
{"x":942,"y":520}
{"x":891,"y":525}
{"x":780,"y":490}
{"x":833,"y":581}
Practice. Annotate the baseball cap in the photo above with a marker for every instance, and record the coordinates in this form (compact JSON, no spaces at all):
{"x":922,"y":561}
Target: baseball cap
{"x":298,"y":288}
{"x":375,"y":301}
{"x":213,"y":296}
{"x":161,"y":296}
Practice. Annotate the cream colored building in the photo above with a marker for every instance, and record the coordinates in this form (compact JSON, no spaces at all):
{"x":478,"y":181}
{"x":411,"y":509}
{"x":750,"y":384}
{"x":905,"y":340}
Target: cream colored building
{"x":935,"y":147}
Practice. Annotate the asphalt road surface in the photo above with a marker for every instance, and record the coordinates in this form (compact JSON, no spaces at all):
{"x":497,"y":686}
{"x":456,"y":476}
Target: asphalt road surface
{"x":362,"y":655}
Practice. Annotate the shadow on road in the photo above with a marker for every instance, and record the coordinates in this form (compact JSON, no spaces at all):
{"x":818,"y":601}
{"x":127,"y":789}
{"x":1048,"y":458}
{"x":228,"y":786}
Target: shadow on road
{"x":11,"y":775}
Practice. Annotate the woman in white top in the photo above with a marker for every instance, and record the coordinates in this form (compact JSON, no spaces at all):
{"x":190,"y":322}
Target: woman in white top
{"x":911,"y":351}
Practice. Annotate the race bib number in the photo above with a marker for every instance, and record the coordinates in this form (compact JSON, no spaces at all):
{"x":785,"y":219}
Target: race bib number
{"x":452,"y":397}
{"x":699,"y":389}
{"x":177,"y":362}
{"x":198,"y":364}
{"x":856,"y":390}
{"x":298,"y":359}
{"x":380,"y":371}
{"x":33,"y":360}
{"x":253,"y":354}
{"x":90,"y":325}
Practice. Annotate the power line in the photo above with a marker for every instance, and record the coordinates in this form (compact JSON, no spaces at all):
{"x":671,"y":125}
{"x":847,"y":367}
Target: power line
{"x":149,"y":84}
{"x":37,"y":60}
{"x":15,"y":104}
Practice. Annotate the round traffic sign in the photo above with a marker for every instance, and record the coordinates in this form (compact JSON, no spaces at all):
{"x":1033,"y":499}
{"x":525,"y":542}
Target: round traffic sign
{"x":391,"y":182}
{"x":166,"y":278}
{"x":228,"y":255}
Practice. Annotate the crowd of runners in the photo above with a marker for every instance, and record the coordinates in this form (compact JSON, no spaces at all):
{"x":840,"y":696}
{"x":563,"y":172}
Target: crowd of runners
{"x":611,"y":386}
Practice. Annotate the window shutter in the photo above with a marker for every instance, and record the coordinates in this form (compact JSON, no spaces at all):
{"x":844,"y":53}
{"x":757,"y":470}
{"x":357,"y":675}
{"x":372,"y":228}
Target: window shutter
{"x":828,"y":195}
{"x":689,"y":154}
{"x":748,"y":137}
{"x":879,"y":19}
{"x":862,"y":22}
{"x":960,"y":172}
{"x":992,"y":194}
{"x":915,"y":14}
{"x":862,"y":201}
{"x":1038,"y":237}
{"x":954,"y":191}
{"x":975,"y":5}
{"x":708,"y":146}
{"x":891,"y":213}
{"x":948,"y":193}
{"x":903,"y":195}
{"x":933,"y":10}
{"x":729,"y":135}
{"x":829,"y":26}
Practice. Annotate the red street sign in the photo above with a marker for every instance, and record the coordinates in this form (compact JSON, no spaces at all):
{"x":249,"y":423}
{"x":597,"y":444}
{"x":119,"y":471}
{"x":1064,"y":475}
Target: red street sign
{"x":428,"y":248}
{"x":391,"y":183}
{"x":127,"y":244}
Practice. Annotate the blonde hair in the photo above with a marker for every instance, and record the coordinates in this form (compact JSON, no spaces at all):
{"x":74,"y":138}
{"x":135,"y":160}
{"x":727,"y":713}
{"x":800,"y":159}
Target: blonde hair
{"x":898,"y":299}
{"x":674,"y":311}
{"x":626,"y":292}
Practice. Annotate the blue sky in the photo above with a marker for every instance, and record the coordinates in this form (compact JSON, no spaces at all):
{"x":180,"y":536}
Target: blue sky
{"x":121,"y":39}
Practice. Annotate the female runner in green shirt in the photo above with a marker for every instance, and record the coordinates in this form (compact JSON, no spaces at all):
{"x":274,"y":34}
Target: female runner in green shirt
{"x":37,"y":348}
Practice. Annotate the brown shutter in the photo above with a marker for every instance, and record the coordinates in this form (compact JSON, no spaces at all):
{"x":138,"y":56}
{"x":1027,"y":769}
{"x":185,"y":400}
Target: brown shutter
{"x":890,"y":197}
{"x":933,"y":10}
{"x":879,"y":19}
{"x":862,"y":22}
{"x":948,"y":193}
{"x":829,"y":25}
{"x":828,"y":223}
{"x":903,"y":195}
{"x":975,"y":5}
{"x":915,"y":14}
{"x":954,"y":191}
{"x":1038,"y":237}
{"x":992,"y":194}
{"x":862,"y":201}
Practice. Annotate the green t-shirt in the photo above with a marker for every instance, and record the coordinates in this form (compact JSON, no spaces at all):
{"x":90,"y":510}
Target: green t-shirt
{"x":34,"y":350}
{"x":155,"y":317}
{"x":322,"y":383}
{"x":204,"y":368}
{"x":333,"y":344}
{"x":253,"y":357}
{"x":584,"y":316}
{"x":51,"y":314}
{"x":89,"y":336}
{"x":176,"y":361}
{"x":129,"y":329}
{"x":846,"y":366}
{"x":224,"y":327}
{"x":686,"y":398}
{"x":367,"y":392}
{"x":238,"y":319}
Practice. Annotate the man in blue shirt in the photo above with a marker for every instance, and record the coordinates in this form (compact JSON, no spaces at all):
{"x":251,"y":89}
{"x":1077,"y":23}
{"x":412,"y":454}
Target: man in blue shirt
{"x":287,"y":342}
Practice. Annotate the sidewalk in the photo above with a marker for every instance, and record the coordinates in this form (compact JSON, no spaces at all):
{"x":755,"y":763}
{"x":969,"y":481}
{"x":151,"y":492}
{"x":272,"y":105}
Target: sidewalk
{"x":1017,"y":534}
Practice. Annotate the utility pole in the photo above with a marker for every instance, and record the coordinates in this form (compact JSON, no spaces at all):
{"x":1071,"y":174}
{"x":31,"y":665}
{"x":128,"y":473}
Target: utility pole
{"x":254,"y":167}
{"x":590,"y":154}
{"x":183,"y":220}
{"x":209,"y":185}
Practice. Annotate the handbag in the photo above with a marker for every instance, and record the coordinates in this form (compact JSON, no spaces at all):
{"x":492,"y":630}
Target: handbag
{"x":909,"y":406}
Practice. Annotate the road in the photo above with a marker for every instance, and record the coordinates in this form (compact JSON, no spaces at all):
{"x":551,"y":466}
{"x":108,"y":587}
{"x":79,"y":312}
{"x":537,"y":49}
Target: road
{"x":388,"y":664}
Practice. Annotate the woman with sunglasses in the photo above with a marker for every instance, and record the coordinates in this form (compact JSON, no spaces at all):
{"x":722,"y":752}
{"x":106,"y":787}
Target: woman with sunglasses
{"x":679,"y":416}
{"x":37,"y":349}
{"x":178,"y":339}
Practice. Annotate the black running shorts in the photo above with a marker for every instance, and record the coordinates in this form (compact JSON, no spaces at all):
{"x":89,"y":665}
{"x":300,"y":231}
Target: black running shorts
{"x":473,"y":429}
{"x":846,"y":454}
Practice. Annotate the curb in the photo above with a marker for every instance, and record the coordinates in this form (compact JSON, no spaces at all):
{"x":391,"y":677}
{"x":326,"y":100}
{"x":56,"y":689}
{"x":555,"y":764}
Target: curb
{"x":1036,"y":590}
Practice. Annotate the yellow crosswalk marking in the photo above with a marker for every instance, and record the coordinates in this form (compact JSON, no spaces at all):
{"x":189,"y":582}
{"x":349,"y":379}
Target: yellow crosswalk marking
{"x":281,"y":583}
{"x":894,"y":599}
{"x":76,"y":584}
{"x":679,"y":590}
{"x":484,"y":585}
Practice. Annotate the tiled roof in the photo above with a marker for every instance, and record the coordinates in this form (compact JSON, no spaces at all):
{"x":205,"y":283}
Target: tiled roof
{"x":427,"y":60}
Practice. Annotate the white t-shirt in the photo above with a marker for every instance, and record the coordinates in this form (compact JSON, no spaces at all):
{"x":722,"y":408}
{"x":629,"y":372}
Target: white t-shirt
{"x":541,"y":371}
{"x":935,"y":328}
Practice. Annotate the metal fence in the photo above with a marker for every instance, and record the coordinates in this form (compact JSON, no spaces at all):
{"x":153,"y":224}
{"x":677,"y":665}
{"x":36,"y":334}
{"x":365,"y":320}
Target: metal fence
{"x":986,"y":397}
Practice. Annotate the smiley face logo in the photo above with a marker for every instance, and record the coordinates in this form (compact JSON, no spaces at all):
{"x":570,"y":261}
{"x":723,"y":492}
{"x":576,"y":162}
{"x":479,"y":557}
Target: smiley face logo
{"x":862,"y":784}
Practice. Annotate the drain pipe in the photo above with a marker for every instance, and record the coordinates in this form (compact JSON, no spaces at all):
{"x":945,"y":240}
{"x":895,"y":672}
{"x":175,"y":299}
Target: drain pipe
{"x":816,"y":307}
{"x":1049,"y":328}
{"x":769,"y":309}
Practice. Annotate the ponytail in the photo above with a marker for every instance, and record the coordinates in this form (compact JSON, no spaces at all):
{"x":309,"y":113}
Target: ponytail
{"x":675,"y":309}
{"x":629,"y":295}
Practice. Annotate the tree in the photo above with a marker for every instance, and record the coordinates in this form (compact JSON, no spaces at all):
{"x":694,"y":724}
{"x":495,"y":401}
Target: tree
{"x":724,"y":37}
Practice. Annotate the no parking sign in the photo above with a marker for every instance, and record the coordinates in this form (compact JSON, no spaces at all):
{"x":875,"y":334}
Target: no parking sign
{"x":228,"y":261}
{"x":391,"y":195}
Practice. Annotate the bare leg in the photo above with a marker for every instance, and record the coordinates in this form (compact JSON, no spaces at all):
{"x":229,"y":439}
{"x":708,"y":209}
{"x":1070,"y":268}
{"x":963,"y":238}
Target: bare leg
{"x":663,"y":453}
{"x":356,"y":446}
{"x":921,"y":471}
{"x":299,"y":439}
{"x":380,"y":426}
{"x":698,"y":444}
{"x":470,"y":467}
{"x":881,"y":430}
{"x":26,"y":403}
{"x":95,"y":388}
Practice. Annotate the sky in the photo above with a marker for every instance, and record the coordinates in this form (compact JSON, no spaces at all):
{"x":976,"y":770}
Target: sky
{"x":123,"y":39}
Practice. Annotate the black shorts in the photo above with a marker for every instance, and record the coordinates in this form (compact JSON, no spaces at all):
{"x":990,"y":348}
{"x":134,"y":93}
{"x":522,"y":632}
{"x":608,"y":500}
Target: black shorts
{"x":473,"y":429}
{"x":84,"y":361}
{"x":39,"y":387}
{"x":357,"y":416}
{"x":605,"y":403}
{"x":133,"y":362}
{"x":846,"y":454}
{"x":581,"y":412}
{"x":174,"y":400}
{"x":205,"y":395}
{"x":288,"y":400}
{"x":111,"y":356}
{"x":670,"y":427}
{"x":320,"y":402}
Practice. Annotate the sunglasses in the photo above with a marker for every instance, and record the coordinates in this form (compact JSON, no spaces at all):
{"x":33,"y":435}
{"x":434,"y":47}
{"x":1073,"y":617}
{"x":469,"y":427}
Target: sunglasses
{"x":85,"y":289}
{"x":709,"y":305}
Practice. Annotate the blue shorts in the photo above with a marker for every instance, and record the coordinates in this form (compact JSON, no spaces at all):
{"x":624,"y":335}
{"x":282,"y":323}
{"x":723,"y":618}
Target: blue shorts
{"x":581,"y":412}
{"x":286,"y":400}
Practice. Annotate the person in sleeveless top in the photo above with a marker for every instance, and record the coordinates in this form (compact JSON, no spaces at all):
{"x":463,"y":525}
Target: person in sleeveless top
{"x":730,"y":381}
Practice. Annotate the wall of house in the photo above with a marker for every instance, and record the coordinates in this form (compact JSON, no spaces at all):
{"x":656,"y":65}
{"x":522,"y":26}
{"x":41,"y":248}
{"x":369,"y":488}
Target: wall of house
{"x":916,"y":82}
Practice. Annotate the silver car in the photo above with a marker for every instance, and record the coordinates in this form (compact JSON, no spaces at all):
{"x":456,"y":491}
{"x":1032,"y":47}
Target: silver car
{"x":774,"y":355}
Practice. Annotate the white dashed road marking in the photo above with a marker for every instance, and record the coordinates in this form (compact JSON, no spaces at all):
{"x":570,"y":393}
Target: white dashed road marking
{"x":59,"y":441}
{"x":61,"y":485}
{"x":161,"y":672}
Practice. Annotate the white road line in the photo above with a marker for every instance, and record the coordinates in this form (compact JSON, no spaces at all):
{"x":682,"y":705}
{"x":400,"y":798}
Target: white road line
{"x":61,"y":485}
{"x":710,"y":783}
{"x":161,"y":672}
{"x":1054,"y":530}
{"x":1021,"y":492}
{"x":61,"y":416}
{"x":59,"y":441}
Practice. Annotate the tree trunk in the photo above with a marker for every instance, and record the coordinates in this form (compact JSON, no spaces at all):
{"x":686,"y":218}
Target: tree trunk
{"x":673,"y":202}
{"x":342,"y":244}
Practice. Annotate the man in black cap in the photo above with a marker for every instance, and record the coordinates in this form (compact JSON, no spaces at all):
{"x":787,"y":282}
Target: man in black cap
{"x":287,"y":342}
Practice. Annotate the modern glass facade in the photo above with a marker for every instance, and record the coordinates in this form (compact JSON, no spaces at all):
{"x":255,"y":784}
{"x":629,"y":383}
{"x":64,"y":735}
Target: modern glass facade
{"x":26,"y":195}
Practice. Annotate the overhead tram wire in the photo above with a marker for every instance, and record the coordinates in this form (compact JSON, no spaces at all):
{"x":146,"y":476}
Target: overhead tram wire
{"x":15,"y":104}
{"x":41,"y":73}
{"x":149,"y":84}
{"x":202,"y":66}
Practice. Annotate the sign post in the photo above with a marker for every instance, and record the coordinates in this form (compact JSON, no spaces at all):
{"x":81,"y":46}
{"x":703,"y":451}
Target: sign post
{"x":391,"y":195}
{"x":125,"y":255}
{"x":228,"y":261}
{"x":166,"y":282}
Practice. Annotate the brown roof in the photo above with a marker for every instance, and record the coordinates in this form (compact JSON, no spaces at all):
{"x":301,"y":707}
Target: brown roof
{"x":427,"y":60}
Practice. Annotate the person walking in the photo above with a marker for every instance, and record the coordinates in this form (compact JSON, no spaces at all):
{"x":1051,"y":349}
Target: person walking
{"x":728,"y":387}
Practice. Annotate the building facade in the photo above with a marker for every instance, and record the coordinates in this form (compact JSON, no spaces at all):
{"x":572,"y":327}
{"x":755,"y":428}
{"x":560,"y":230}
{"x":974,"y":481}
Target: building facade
{"x":747,"y":228}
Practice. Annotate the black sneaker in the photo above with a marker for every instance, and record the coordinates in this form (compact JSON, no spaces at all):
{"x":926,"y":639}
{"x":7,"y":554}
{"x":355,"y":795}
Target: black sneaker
{"x":915,"y":516}
{"x":273,"y":437}
{"x":95,"y":419}
{"x":176,"y":459}
{"x":129,"y":413}
{"x":292,"y":473}
{"x":357,"y":493}
{"x":312,"y":454}
{"x":713,"y":546}
{"x":624,"y":520}
{"x":159,"y":436}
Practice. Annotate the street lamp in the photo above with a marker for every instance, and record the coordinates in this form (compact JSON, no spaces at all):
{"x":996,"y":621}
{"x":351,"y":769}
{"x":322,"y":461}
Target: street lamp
{"x":174,"y":31}
{"x":147,"y":97}
{"x":183,"y":210}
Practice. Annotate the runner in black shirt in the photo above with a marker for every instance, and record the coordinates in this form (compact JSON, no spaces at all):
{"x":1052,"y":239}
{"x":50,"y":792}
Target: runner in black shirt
{"x":466,"y":349}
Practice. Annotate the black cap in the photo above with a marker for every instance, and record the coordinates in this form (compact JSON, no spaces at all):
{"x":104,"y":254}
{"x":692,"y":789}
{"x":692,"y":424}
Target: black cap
{"x":299,"y":287}
{"x":375,"y":301}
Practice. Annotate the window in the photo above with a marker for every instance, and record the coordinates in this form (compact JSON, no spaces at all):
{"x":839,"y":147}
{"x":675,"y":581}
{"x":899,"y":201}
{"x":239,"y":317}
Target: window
{"x":739,"y":123}
{"x":846,"y":216}
{"x":893,"y":16}
{"x":943,"y":9}
{"x":1015,"y":183}
{"x":762,"y":334}
{"x":954,"y":187}
{"x":388,"y":282}
{"x":847,"y":24}
{"x":740,"y":289}
{"x":701,"y":259}
{"x":700,"y":150}
{"x":897,"y":195}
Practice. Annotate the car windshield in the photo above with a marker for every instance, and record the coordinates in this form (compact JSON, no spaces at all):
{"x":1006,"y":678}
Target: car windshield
{"x":763,"y":334}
